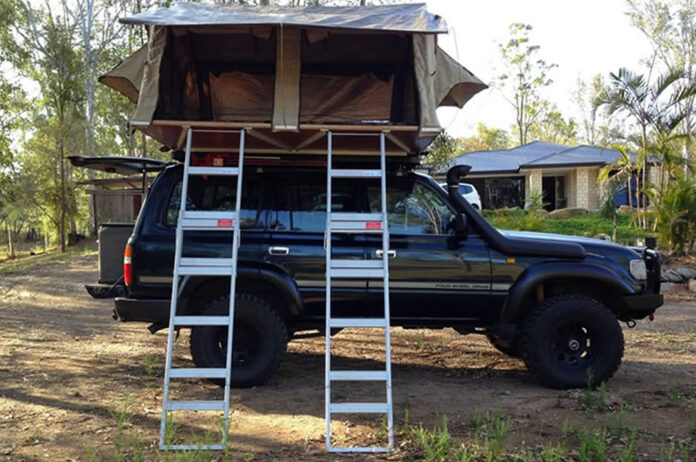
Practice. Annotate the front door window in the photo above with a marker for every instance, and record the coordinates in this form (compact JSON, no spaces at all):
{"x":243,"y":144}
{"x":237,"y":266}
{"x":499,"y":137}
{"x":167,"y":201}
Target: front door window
{"x":412,"y":208}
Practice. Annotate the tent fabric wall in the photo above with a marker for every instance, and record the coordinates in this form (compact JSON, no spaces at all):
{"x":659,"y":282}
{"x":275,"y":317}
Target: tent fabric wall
{"x":127,"y":76}
{"x":346,"y":99}
{"x":149,"y":88}
{"x":441,"y":81}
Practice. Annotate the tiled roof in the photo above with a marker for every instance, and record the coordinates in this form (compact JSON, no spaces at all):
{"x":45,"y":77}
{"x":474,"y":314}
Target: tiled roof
{"x":537,"y":154}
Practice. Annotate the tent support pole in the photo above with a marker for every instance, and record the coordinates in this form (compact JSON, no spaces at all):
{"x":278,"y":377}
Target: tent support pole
{"x":310,"y":139}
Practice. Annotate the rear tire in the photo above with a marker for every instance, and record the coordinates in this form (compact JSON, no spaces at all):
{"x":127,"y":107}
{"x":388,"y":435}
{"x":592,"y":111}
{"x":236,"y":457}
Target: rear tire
{"x":260,"y":340}
{"x":571,"y":341}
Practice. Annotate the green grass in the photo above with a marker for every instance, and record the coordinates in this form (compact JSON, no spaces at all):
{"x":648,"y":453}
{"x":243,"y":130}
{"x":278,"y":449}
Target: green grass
{"x":29,"y":262}
{"x":585,"y":225}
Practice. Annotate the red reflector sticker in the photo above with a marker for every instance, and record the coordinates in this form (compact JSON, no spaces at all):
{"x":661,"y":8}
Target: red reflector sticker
{"x":373,"y":225}
{"x":225,"y":223}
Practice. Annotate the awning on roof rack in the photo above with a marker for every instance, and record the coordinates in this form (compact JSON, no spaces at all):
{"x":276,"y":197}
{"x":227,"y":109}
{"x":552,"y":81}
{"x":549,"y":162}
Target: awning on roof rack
{"x":121,"y":165}
{"x":289,"y":73}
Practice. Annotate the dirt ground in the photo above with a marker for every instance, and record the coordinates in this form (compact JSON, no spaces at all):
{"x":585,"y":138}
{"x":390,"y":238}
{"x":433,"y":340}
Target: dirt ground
{"x":76,"y":385}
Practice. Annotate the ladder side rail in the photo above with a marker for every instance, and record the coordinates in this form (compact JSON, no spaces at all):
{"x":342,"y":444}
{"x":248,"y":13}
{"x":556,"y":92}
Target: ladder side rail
{"x":385,"y":261}
{"x":175,"y":291}
{"x":327,"y":247}
{"x":236,"y":242}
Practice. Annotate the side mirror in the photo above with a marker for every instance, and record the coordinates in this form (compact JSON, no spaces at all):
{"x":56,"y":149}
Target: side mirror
{"x":460,"y":225}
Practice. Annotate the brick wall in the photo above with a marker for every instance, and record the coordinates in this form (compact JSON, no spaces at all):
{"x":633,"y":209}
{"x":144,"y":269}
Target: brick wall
{"x":571,"y":189}
{"x":584,"y":190}
{"x":532,"y":183}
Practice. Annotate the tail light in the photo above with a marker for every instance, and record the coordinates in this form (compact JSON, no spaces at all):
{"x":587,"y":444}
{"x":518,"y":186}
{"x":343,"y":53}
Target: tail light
{"x":127,"y":270}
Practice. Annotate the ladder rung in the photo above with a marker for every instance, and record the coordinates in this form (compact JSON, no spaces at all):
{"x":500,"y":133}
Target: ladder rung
{"x":358,"y":408}
{"x":342,"y":222}
{"x":356,"y":273}
{"x":210,"y":214}
{"x":355,"y":230}
{"x":358,"y":375}
{"x":355,"y":173}
{"x":203,"y":220}
{"x":357,"y":264}
{"x":192,"y":447}
{"x":187,"y":261}
{"x":227,"y":171}
{"x":195,"y":405}
{"x":360,"y":449}
{"x":348,"y":216}
{"x":205,"y":271}
{"x":358,"y":322}
{"x":201,"y":321}
{"x":197,"y":373}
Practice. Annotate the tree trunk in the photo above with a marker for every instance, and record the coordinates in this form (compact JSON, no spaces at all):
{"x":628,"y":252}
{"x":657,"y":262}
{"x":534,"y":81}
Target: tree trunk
{"x":143,"y":145}
{"x":10,"y":244}
{"x":645,"y":196}
{"x":61,"y":224}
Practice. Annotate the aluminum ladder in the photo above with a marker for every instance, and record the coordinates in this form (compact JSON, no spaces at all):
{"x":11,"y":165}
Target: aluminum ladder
{"x":357,"y":223}
{"x":191,"y":220}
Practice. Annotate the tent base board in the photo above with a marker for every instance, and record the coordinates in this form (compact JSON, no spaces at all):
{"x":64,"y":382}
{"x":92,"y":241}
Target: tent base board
{"x":309,"y":139}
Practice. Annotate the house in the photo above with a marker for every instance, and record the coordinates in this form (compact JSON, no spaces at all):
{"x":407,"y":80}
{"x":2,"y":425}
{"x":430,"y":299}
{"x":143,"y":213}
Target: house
{"x":566,"y":176}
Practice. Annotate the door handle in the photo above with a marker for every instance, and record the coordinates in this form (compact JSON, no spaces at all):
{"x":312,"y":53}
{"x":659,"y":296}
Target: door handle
{"x":278,"y":251}
{"x":390,"y":253}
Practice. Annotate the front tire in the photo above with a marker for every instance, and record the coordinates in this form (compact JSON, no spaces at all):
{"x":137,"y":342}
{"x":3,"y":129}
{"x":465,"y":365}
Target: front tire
{"x":260,"y":340}
{"x":512,"y":349}
{"x":572,"y":341}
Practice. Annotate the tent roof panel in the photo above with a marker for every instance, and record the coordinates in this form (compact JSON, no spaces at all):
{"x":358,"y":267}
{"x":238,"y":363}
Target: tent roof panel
{"x":413,"y":18}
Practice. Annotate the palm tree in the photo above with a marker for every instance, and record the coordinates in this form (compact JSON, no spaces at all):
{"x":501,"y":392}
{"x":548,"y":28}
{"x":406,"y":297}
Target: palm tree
{"x":655,"y":108}
{"x":621,"y":171}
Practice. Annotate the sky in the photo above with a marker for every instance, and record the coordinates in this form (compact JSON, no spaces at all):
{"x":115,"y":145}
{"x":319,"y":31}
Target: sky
{"x":582,"y":37}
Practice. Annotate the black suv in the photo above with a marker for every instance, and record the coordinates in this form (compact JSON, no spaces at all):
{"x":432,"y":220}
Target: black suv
{"x":555,"y":301}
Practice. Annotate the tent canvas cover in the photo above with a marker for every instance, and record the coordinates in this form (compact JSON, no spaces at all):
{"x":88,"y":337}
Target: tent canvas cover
{"x":288,"y":74}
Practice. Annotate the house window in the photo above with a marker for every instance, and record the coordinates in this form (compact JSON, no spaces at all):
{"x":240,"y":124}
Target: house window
{"x":497,"y":193}
{"x":554,"y":190}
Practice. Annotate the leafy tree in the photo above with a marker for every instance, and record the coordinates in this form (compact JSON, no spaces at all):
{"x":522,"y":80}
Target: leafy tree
{"x":675,"y":214}
{"x":524,"y":76}
{"x":487,"y":139}
{"x":595,"y":127}
{"x":670,"y":25}
{"x":654,"y":107}
{"x":52,"y":61}
{"x":441,"y":151}
{"x":554,"y":128}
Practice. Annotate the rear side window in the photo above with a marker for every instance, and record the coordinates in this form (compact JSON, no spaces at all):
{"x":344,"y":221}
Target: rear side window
{"x":220,"y":193}
{"x":300,"y":205}
{"x":465,"y":189}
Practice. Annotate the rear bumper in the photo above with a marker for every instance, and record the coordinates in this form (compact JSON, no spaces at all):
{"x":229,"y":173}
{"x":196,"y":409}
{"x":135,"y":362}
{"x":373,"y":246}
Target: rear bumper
{"x":99,"y":291}
{"x":142,"y":310}
{"x":641,"y":305}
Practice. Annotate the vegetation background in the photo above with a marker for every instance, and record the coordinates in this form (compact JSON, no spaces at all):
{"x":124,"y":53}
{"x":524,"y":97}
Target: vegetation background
{"x":52,"y":51}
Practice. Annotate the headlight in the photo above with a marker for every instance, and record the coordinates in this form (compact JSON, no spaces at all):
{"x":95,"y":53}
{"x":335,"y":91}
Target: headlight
{"x":638,"y":270}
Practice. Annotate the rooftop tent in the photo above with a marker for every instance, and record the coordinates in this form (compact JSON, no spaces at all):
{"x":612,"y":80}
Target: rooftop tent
{"x":288,"y":73}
